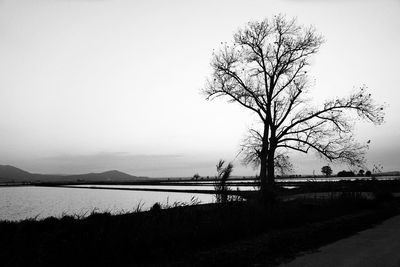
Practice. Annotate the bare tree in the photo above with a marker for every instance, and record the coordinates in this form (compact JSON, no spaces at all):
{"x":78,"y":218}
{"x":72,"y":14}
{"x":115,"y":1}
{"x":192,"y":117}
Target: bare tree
{"x":265,"y":71}
{"x":250,"y":147}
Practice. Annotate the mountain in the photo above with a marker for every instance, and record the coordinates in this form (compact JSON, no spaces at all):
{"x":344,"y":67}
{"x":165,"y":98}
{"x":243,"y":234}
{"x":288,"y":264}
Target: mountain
{"x":12,"y":174}
{"x":113,"y":175}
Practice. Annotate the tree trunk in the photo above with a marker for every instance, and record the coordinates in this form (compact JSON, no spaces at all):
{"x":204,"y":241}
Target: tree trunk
{"x":263,"y":174}
{"x":267,"y":171}
{"x":263,"y":164}
{"x":271,"y":174}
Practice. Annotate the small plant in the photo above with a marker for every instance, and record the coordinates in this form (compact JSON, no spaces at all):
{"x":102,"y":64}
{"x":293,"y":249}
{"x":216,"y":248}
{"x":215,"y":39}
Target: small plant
{"x":194,"y":201}
{"x":139,"y":207}
{"x":220,"y":185}
{"x":156,"y":207}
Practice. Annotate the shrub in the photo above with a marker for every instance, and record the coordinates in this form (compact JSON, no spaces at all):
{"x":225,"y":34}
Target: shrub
{"x":220,"y":185}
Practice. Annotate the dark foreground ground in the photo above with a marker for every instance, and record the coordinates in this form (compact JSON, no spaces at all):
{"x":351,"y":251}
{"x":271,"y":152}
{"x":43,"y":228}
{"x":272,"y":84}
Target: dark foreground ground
{"x":231,"y":234}
{"x":373,"y":247}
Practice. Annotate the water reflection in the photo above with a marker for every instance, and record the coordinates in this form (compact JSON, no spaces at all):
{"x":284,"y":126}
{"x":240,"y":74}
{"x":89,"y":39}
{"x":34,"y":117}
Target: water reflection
{"x":170,"y":187}
{"x":17,"y":203}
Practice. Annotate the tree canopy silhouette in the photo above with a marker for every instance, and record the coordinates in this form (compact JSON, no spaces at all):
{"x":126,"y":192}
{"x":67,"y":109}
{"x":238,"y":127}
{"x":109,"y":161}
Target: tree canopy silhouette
{"x":265,"y":71}
{"x":327,"y":170}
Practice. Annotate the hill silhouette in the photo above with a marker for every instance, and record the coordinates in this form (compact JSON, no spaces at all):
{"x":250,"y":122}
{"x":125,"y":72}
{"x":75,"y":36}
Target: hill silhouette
{"x":10,"y":174}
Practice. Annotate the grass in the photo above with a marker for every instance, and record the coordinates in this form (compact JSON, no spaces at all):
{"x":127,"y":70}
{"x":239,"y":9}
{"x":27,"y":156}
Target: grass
{"x":161,"y":235}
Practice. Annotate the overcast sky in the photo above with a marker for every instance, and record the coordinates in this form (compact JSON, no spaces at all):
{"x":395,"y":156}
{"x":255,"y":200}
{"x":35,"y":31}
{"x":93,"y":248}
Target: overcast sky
{"x":91,"y":85}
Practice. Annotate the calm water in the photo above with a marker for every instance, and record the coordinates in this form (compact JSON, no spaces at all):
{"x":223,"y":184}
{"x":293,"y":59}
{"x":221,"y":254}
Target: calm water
{"x":172,"y":187}
{"x":17,"y":203}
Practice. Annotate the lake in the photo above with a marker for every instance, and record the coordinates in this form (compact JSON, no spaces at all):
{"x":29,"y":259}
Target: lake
{"x":22,"y":202}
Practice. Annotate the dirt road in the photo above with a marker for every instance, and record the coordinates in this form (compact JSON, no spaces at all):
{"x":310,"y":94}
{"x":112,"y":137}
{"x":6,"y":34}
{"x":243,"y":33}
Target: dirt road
{"x":378,"y":246}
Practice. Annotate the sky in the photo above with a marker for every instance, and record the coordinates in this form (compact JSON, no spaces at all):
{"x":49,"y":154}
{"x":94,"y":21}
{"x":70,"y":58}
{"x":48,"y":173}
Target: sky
{"x":94,"y":85}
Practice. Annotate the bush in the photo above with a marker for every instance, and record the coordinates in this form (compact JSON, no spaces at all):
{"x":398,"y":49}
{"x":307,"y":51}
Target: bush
{"x":156,"y":207}
{"x":345,"y":174}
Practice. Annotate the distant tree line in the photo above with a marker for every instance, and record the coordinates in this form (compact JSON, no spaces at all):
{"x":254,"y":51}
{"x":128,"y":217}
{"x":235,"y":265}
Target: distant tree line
{"x":327,"y":171}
